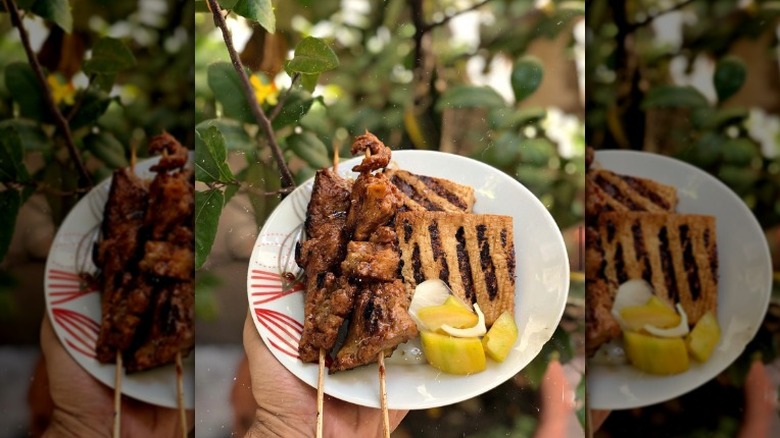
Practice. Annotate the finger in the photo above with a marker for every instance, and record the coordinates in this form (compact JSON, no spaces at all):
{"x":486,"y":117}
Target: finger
{"x":557,"y":402}
{"x":760,"y":402}
{"x":596,"y":418}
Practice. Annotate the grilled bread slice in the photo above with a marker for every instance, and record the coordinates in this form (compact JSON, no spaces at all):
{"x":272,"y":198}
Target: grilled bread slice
{"x":677,"y":254}
{"x":473,"y":254}
{"x":422,"y":193}
{"x":627,"y":193}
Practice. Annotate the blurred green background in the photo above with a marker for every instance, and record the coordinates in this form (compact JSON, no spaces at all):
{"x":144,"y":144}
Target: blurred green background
{"x":697,"y":80}
{"x":499,"y":81}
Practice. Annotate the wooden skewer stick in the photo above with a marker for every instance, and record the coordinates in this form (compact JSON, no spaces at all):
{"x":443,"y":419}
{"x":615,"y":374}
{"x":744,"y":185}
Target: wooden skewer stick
{"x":383,"y":395}
{"x":118,"y":395}
{"x":180,"y":395}
{"x":320,"y":392}
{"x":335,"y":158}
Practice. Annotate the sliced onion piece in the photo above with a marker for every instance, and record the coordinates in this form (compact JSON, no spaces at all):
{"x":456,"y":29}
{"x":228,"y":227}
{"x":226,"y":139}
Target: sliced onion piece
{"x":472,"y":332}
{"x":432,"y":292}
{"x":630,"y":293}
{"x":679,"y":331}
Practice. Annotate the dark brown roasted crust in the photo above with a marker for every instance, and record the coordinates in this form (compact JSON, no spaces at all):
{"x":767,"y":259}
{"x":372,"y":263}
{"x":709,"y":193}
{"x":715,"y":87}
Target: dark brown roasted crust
{"x":374,"y":202}
{"x":379,"y":323}
{"x":473,"y":254}
{"x":608,"y":191}
{"x":420,"y":193}
{"x":676,"y":254}
{"x":601,"y":326}
{"x":148,"y":306}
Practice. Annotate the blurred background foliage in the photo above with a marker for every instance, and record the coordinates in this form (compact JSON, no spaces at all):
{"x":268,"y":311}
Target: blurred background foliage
{"x":119,"y":72}
{"x":698,"y":80}
{"x":500,"y":81}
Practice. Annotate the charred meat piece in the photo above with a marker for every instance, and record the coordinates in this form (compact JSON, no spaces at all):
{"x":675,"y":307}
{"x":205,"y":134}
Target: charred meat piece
{"x":171,"y":203}
{"x":374,"y":202}
{"x":380,"y":322}
{"x":325,"y":308}
{"x":380,"y":154}
{"x":326,"y":218}
{"x":116,"y":252}
{"x":170,"y":331}
{"x":167,"y":259}
{"x":174,"y":155}
{"x":370,"y":261}
{"x":124,"y":317}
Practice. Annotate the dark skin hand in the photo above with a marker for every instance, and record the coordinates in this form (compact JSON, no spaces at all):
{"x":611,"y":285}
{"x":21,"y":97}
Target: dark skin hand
{"x":84,"y":407}
{"x":287,"y":407}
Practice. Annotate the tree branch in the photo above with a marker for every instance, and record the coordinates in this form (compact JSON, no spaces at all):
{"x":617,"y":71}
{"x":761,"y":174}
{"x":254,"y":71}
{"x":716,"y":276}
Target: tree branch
{"x":649,"y":19}
{"x":258,"y":113}
{"x":445,"y":20}
{"x":283,"y":99}
{"x":59,"y":119}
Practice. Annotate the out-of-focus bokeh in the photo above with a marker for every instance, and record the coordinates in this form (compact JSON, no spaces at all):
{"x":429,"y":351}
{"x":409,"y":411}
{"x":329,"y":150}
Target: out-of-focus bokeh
{"x":499,"y":81}
{"x":138,"y":85}
{"x":697,"y":80}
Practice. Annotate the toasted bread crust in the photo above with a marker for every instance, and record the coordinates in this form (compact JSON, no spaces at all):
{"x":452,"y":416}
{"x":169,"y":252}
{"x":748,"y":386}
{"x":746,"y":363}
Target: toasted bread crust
{"x":676,"y":254}
{"x":473,"y":254}
{"x":421,"y":193}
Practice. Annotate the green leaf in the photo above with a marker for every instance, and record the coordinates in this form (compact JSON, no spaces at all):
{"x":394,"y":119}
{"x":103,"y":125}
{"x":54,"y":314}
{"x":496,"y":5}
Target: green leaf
{"x":211,"y":156}
{"x":109,"y":56}
{"x":261,"y":11}
{"x":312,"y":56}
{"x":730,"y":75}
{"x":467,"y":96}
{"x":310,"y":149}
{"x":202,"y":5}
{"x":537,"y":151}
{"x":236,"y":137}
{"x":226,"y":86}
{"x":30,"y":134}
{"x":12,"y":168}
{"x":21,"y":82}
{"x":740,"y":151}
{"x":309,"y":82}
{"x":263,"y":178}
{"x":24,"y":5}
{"x":107,"y":148}
{"x":509,"y":118}
{"x":503,"y":152}
{"x":672,"y":96}
{"x":294,"y":109}
{"x":527,"y":75}
{"x":57,"y":11}
{"x":64,"y":179}
{"x":93,"y":105}
{"x":208,"y":208}
{"x":10,"y":201}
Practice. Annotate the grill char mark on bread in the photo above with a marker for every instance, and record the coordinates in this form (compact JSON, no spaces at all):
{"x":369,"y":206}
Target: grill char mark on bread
{"x":625,"y":193}
{"x":474,"y":254}
{"x":425,"y":193}
{"x":677,"y":256}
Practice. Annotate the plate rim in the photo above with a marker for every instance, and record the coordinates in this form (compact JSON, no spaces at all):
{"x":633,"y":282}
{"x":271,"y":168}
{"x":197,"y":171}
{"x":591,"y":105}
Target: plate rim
{"x":549,"y":220}
{"x":765,"y":255}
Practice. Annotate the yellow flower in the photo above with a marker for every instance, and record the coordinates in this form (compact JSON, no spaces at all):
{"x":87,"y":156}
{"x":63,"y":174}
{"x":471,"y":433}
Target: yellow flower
{"x":264,"y":92}
{"x":61,"y":91}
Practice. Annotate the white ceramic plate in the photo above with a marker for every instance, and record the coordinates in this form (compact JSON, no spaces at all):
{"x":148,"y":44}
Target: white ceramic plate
{"x":542,"y":287}
{"x":744,"y":286}
{"x":74,"y":310}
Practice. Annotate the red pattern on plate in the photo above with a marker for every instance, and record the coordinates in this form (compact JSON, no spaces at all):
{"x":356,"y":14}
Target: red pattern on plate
{"x":69,"y":286}
{"x":82,"y":330}
{"x":284,"y":331}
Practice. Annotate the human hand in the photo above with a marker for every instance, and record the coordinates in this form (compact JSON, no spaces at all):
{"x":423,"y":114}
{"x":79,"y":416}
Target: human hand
{"x":557,"y":403}
{"x":287,"y":407}
{"x":84,"y":407}
{"x":760,"y":402}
